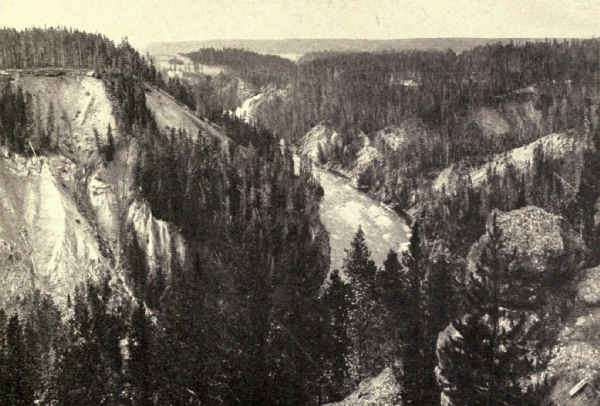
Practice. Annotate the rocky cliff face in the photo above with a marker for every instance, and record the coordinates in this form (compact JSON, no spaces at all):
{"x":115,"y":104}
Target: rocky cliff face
{"x":564,"y":146}
{"x":377,"y":391}
{"x":47,"y":242}
{"x":545,"y":243}
{"x":64,"y":214}
{"x":160,"y":240}
{"x":577,"y":359}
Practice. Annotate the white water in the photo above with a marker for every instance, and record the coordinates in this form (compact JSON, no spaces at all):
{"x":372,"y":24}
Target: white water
{"x":344,"y":208}
{"x":246,"y":110}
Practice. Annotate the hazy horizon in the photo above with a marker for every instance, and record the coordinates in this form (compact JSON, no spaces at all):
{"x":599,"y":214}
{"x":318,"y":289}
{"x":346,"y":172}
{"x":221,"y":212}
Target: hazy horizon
{"x":150,"y":21}
{"x":363,"y":39}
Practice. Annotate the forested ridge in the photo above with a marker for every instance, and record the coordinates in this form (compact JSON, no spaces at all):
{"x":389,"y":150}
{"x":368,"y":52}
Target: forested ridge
{"x":367,"y":92}
{"x":257,"y":69}
{"x":446,"y":87}
{"x":70,"y":48}
{"x":64,"y":48}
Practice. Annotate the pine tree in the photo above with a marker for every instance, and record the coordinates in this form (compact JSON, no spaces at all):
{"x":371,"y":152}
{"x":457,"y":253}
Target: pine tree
{"x":337,"y":300}
{"x":439,"y":308}
{"x":4,"y":378}
{"x":140,"y":358}
{"x":359,"y":266}
{"x":361,"y":270}
{"x":91,"y":350}
{"x":18,"y":390}
{"x":392,"y":294}
{"x":483,"y":362}
{"x":137,"y":265}
{"x":413,"y":337}
{"x":110,"y":145}
{"x":32,"y":361}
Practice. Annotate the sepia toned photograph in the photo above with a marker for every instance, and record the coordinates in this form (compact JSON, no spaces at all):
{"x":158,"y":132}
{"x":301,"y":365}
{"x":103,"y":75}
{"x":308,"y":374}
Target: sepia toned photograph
{"x":300,"y":203}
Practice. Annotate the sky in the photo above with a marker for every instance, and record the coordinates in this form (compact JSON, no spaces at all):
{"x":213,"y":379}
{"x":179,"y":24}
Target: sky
{"x":145,"y":21}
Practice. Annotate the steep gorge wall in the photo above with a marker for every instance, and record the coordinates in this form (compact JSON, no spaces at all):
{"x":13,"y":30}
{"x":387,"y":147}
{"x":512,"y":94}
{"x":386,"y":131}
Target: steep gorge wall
{"x":64,"y":214}
{"x":78,"y":210}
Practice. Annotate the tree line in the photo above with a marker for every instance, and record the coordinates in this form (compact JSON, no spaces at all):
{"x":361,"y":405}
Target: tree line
{"x":71,"y":48}
{"x":16,"y":119}
{"x":259,"y":70}
{"x":440,"y":91}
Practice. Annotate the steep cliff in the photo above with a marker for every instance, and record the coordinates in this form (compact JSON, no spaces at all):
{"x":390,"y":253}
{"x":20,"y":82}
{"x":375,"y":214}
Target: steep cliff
{"x":48,"y":243}
{"x":65,"y":211}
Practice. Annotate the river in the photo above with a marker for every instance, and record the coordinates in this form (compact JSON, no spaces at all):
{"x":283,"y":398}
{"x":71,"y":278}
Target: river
{"x":344,"y":208}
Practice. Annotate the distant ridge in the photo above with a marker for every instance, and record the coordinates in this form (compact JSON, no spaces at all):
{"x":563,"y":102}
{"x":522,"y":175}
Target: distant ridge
{"x":304,"y":46}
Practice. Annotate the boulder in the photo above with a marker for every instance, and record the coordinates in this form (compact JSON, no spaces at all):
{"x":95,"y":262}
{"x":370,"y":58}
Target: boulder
{"x":577,"y":353}
{"x":319,"y":142}
{"x":588,"y":289}
{"x":446,"y":338}
{"x":543,"y":242}
{"x":381,"y":390}
{"x":534,"y":239}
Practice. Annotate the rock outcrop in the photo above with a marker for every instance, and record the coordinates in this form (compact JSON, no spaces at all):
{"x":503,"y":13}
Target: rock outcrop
{"x":48,"y":243}
{"x":446,"y":338}
{"x":381,"y":390}
{"x":542,"y":242}
{"x":159,"y":239}
{"x":577,"y":359}
{"x":534,"y":239}
{"x":588,"y":289}
{"x":559,"y":145}
{"x":318,"y":144}
{"x":63,"y":214}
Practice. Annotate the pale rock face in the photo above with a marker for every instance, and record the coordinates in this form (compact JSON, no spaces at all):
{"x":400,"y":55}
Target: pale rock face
{"x":377,"y":391}
{"x":104,"y":203}
{"x":56,"y":245}
{"x":62,"y":215}
{"x":246,"y":110}
{"x":490,"y":122}
{"x":541,"y":241}
{"x":168,"y":113}
{"x":553,"y":145}
{"x":257,"y":105}
{"x":588,"y":290}
{"x":319,"y":143}
{"x":157,"y":238}
{"x":319,"y":137}
{"x":81,"y":105}
{"x":367,"y":156}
